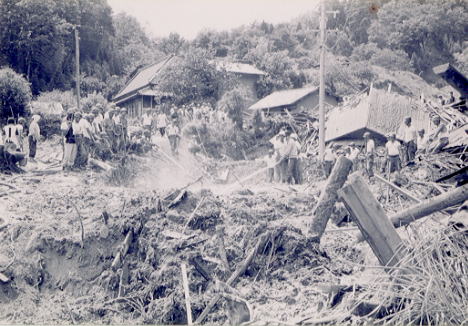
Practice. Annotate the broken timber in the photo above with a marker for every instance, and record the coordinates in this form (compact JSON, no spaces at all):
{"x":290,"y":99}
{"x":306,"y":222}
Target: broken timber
{"x":123,"y":251}
{"x":398,"y":189}
{"x":238,"y":272}
{"x":372,"y":221}
{"x":427,"y":207}
{"x":186,"y":293}
{"x":328,"y":197}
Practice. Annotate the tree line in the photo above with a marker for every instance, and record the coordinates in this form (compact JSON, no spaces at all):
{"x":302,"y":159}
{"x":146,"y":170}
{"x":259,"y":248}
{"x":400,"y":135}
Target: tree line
{"x":37,"y":41}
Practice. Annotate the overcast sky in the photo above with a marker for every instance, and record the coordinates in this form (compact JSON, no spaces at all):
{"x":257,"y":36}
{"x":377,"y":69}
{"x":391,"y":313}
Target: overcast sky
{"x":188,"y":17}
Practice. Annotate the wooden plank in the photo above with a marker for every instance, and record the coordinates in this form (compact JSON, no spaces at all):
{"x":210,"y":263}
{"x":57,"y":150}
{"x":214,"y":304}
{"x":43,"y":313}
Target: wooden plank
{"x":371,"y":219}
{"x":186,"y":293}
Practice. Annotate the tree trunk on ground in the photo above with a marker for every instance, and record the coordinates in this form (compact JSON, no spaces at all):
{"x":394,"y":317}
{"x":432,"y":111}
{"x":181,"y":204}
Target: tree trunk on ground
{"x":427,"y":207}
{"x":328,"y":197}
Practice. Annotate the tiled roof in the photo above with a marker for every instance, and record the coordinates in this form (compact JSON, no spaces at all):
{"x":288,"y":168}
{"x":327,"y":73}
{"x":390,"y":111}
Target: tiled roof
{"x":283,"y":98}
{"x":143,"y":78}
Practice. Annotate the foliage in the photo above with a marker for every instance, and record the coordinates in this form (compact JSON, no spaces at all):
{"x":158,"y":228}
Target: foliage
{"x":67,"y":98}
{"x":15,"y":94}
{"x":91,"y":100}
{"x":192,"y":79}
{"x":234,"y":102}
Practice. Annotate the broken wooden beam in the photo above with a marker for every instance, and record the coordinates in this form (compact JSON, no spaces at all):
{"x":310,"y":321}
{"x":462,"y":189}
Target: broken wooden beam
{"x":222,"y":247}
{"x":326,"y":203}
{"x":119,"y":257}
{"x":238,"y":272}
{"x":427,"y":207}
{"x":397,"y":189}
{"x":371,"y":219}
{"x":186,"y":293}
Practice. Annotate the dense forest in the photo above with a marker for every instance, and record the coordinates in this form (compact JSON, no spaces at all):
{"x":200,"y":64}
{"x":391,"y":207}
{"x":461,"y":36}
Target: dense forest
{"x":37,"y":40}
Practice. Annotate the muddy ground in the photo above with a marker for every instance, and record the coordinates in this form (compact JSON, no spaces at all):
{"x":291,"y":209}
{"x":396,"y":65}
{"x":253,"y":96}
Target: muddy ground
{"x":62,"y":232}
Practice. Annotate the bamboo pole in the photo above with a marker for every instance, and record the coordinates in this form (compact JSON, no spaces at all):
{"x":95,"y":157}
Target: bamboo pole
{"x":186,"y":293}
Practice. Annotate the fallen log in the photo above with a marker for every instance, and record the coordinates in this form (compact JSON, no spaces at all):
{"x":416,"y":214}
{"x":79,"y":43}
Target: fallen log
{"x":119,"y":257}
{"x":222,"y":247}
{"x":100,"y":164}
{"x":427,"y":207}
{"x":238,"y":272}
{"x":324,"y":208}
{"x":398,"y":189}
{"x":178,"y":199}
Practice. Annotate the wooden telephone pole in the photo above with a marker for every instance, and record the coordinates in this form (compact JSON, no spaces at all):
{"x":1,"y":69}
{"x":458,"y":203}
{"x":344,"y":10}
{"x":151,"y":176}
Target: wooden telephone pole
{"x":77,"y":64}
{"x":322,"y":82}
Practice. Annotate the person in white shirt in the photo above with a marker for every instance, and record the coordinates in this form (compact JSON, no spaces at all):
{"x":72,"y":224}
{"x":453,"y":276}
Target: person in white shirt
{"x":147,"y":120}
{"x":369,"y":150}
{"x":439,"y":137}
{"x":78,"y":132}
{"x":161,"y":123}
{"x":294,"y":172}
{"x":354,"y":155}
{"x":421,"y":142}
{"x":407,"y":134}
{"x":392,"y":154}
{"x":11,"y":133}
{"x":173,"y":134}
{"x":271,"y":160}
{"x":329,"y":158}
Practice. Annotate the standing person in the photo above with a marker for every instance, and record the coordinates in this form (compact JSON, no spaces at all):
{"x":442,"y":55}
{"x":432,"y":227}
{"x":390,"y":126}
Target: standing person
{"x":21,"y":129}
{"x":329,"y":158}
{"x":147,"y":120}
{"x":270,"y":161}
{"x":69,"y":147}
{"x":421,"y":142}
{"x":283,"y":154}
{"x":173,"y":134}
{"x":293,"y":160}
{"x":108,"y":127}
{"x":392,"y":154}
{"x":124,"y":123}
{"x":34,"y":136}
{"x":88,"y":137}
{"x":161,"y":123}
{"x":369,"y":147}
{"x":79,"y":140}
{"x":97,"y":122}
{"x":354,"y":156}
{"x":11,"y":132}
{"x":407,"y":134}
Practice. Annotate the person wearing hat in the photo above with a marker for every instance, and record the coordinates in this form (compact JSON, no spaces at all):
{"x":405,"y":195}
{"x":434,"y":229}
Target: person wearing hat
{"x":369,"y":150}
{"x":354,"y":155}
{"x":282,"y":150}
{"x":407,"y":134}
{"x":20,"y":128}
{"x":392,"y":153}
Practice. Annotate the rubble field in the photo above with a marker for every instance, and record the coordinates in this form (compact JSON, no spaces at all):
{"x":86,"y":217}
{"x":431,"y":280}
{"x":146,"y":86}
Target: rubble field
{"x":77,"y":248}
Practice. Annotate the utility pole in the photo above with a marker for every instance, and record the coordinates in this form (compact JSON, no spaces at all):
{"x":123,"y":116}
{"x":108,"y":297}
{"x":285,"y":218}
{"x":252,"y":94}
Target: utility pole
{"x":322,"y":82}
{"x":77,"y":62}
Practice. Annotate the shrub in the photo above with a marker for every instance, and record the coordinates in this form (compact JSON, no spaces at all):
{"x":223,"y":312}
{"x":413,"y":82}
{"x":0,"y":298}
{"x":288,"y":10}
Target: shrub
{"x":15,"y":94}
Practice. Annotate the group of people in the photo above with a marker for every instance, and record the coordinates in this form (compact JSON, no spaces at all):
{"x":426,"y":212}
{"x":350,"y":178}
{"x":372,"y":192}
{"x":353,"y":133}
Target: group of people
{"x":102,"y":132}
{"x":401,"y":148}
{"x":283,"y":161}
{"x":20,"y":137}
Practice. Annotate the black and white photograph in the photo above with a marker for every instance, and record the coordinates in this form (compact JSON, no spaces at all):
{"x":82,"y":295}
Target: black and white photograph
{"x":234,"y":162}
